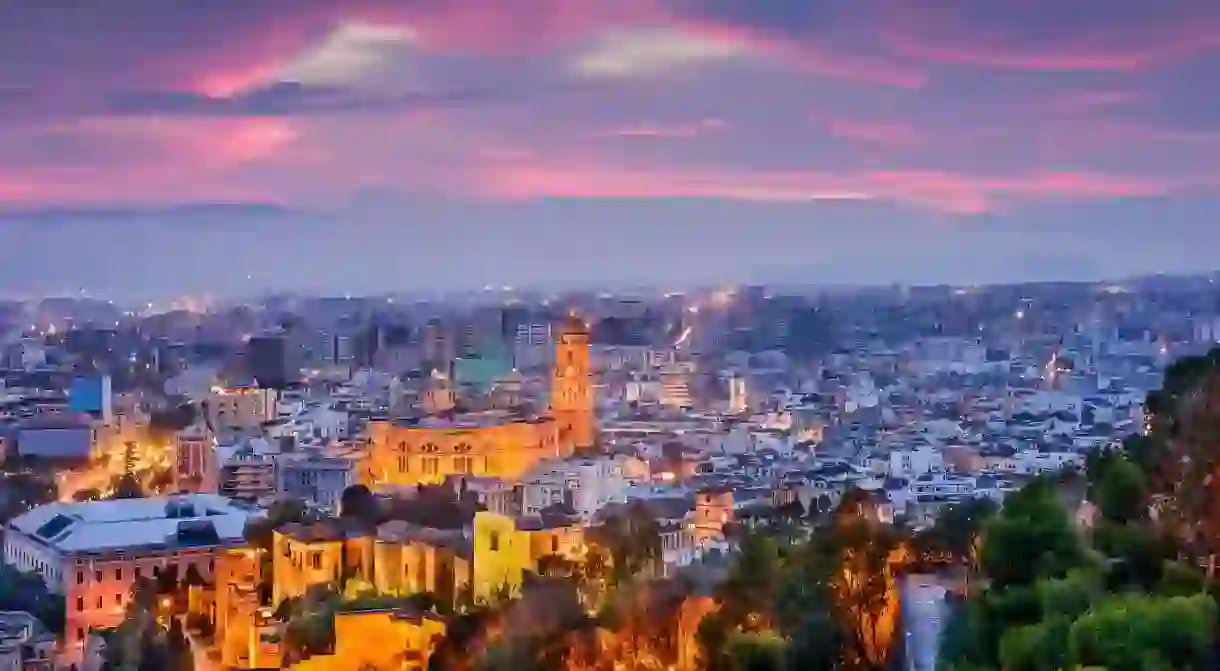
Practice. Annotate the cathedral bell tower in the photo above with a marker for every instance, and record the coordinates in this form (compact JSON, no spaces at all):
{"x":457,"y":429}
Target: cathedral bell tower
{"x":572,"y":387}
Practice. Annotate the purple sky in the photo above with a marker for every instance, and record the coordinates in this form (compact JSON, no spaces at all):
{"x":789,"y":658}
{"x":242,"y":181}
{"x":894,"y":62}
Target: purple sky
{"x":417,"y":143}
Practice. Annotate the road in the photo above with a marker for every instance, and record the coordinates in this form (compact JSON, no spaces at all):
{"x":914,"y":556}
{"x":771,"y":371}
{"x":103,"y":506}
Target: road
{"x":924,"y":616}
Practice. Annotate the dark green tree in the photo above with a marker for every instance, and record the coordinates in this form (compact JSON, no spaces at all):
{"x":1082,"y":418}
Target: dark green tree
{"x":1030,"y":538}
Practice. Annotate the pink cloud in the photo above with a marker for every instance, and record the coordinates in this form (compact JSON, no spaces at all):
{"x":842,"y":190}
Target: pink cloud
{"x":810,"y":57}
{"x":946,"y":191}
{"x":882,"y":133}
{"x":166,"y":160}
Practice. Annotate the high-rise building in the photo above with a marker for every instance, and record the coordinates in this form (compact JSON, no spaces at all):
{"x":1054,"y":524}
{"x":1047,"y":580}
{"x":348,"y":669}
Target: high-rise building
{"x":738,"y":399}
{"x":268,"y":361}
{"x":572,"y":386}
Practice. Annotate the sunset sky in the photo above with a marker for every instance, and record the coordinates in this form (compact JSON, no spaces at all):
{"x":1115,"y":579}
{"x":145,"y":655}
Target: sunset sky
{"x":355,"y":145}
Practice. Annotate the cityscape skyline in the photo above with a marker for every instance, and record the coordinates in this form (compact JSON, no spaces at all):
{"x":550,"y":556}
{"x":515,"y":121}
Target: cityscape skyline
{"x":373,"y":146}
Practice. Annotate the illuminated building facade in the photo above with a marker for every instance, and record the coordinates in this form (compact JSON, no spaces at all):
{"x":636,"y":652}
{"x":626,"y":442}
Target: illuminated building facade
{"x":379,"y":639}
{"x":572,"y":387}
{"x":240,"y":408}
{"x":195,"y":459}
{"x":91,"y":554}
{"x":506,"y":548}
{"x":403,"y":559}
{"x":492,"y":444}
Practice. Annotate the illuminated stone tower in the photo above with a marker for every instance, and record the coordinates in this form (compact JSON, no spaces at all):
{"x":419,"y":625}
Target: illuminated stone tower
{"x":572,"y":387}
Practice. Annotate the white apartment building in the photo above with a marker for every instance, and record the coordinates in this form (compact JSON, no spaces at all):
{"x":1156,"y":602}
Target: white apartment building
{"x":246,"y":470}
{"x":90,"y":554}
{"x":916,"y":460}
{"x":314,"y":477}
{"x":586,"y":484}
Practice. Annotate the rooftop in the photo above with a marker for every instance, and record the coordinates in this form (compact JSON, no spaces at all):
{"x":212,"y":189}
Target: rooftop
{"x":105,"y":526}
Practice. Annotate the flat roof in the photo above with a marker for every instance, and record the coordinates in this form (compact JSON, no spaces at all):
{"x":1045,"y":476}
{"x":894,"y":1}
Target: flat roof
{"x":192,"y":520}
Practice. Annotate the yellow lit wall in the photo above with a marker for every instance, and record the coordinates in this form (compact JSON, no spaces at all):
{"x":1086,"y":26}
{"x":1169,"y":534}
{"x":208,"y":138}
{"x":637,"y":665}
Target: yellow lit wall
{"x":379,"y":640}
{"x":412,"y":567}
{"x":567,"y":542}
{"x":410,"y":455}
{"x":501,"y":555}
{"x":298,"y":564}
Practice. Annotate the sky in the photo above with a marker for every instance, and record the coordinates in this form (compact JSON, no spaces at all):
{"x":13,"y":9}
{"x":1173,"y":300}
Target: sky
{"x":151,"y":147}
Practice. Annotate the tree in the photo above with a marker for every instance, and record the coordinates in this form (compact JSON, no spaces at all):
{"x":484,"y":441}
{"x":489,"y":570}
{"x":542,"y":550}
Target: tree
{"x":179,"y":647}
{"x":633,"y":541}
{"x":1136,"y":633}
{"x":1185,"y":428}
{"x":757,"y":652}
{"x":126,"y":486}
{"x":357,"y":502}
{"x":752,"y":585}
{"x":1031,"y":537}
{"x":27,"y":592}
{"x":1118,"y":488}
{"x":259,"y":531}
{"x":954,"y":535}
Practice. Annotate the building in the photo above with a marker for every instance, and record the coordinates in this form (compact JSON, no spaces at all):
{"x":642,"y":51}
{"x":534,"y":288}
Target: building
{"x":404,"y":640}
{"x":584,"y":485}
{"x":427,"y":450}
{"x":675,"y":388}
{"x":24,"y":644}
{"x":738,"y":398}
{"x":267,"y":360}
{"x":314,"y":554}
{"x":572,"y":402}
{"x":91,"y":554}
{"x":506,"y":548}
{"x":195,"y":465}
{"x":409,"y":559}
{"x":240,"y":409}
{"x":245,"y":470}
{"x":396,"y":558}
{"x":91,"y":395}
{"x":70,"y":437}
{"x":314,"y":477}
{"x":713,"y":511}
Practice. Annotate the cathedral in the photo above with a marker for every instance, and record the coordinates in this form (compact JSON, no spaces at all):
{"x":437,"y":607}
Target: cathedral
{"x":443,"y":440}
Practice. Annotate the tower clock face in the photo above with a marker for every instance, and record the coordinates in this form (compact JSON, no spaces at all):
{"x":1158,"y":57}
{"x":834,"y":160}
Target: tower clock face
{"x":570,"y":371}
